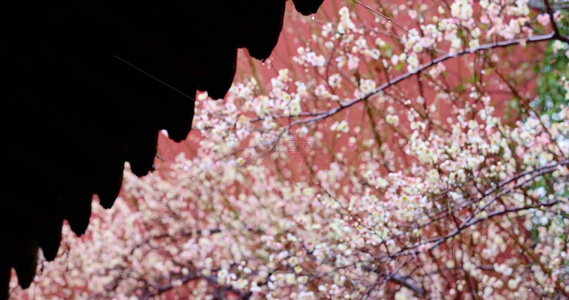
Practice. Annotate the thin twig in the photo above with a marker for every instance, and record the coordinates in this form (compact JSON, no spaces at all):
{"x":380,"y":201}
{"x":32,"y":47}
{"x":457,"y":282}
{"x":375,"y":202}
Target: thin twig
{"x":389,"y":20}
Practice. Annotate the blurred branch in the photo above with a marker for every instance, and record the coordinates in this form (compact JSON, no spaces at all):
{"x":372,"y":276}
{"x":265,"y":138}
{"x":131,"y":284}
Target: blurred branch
{"x":407,"y":282}
{"x":157,"y":290}
{"x":556,"y":31}
{"x":539,"y":4}
{"x":179,"y":235}
{"x":402,"y":280}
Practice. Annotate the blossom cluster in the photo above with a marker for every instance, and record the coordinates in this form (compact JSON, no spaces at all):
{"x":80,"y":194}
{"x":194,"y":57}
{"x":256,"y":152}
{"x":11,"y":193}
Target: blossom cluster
{"x":418,"y":183}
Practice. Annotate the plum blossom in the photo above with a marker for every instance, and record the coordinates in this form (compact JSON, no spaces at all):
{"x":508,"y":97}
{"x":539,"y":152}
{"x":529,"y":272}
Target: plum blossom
{"x":417,"y":185}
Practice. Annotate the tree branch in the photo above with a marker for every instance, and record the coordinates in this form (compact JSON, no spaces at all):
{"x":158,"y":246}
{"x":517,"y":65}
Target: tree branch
{"x":314,"y":117}
{"x":557,"y":33}
{"x":157,"y":290}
